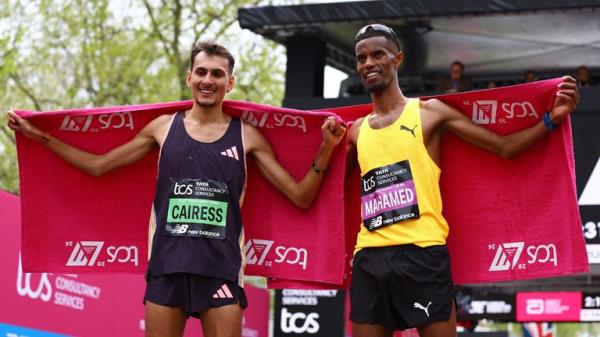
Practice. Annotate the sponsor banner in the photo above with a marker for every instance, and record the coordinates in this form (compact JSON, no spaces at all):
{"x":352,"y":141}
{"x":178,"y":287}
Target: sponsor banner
{"x":587,"y":157}
{"x":590,"y":307}
{"x":316,"y":313}
{"x":475,"y":306}
{"x":68,"y":304}
{"x":54,"y":304}
{"x":548,"y":306}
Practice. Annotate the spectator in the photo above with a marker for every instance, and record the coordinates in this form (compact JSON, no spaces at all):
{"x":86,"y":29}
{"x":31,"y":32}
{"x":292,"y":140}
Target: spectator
{"x":582,"y":75}
{"x":529,"y":76}
{"x":456,"y":81}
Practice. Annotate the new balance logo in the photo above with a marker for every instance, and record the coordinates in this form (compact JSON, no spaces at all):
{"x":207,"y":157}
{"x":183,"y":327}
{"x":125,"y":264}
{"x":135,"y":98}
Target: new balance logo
{"x":418,"y":305}
{"x":85,"y":253}
{"x":223,"y":292}
{"x":507,"y":256}
{"x":406,"y":128}
{"x":231,"y":153}
{"x":591,"y":192}
{"x":484,"y":112}
{"x":256,"y":251}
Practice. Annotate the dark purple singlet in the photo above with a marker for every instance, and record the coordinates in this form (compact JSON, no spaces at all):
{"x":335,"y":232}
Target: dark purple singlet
{"x":197,"y":204}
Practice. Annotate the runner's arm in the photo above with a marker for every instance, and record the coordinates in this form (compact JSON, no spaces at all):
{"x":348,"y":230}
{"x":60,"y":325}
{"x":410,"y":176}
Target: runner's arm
{"x":93,"y":164}
{"x":512,"y":145}
{"x":300,"y":193}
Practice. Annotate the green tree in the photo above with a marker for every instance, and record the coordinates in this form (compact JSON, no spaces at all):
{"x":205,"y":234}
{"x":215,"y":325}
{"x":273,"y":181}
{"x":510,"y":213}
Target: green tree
{"x":57,"y":54}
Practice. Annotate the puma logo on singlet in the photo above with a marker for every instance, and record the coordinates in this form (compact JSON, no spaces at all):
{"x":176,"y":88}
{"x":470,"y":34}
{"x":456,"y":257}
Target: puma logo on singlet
{"x":406,"y":128}
{"x":418,"y":305}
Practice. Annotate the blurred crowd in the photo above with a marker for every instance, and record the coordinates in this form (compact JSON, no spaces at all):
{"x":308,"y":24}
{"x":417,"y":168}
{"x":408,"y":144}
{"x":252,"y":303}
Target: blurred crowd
{"x":458,"y":80}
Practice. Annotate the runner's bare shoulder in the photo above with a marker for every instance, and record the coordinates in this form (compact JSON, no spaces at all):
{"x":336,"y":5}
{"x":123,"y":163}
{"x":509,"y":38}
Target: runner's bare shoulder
{"x":159,"y":127}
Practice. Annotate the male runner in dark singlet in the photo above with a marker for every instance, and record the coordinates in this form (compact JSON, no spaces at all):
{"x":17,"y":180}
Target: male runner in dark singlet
{"x":195,"y":268}
{"x":401,"y":268}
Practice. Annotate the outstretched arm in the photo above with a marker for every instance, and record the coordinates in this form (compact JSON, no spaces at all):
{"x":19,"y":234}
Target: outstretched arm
{"x":90,"y":163}
{"x":300,"y":193}
{"x":512,"y":145}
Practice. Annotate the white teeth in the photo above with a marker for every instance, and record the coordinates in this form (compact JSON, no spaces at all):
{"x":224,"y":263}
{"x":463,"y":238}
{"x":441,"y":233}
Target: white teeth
{"x":371,"y":74}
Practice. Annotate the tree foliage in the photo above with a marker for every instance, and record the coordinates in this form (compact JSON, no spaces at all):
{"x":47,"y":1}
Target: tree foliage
{"x":59,"y":54}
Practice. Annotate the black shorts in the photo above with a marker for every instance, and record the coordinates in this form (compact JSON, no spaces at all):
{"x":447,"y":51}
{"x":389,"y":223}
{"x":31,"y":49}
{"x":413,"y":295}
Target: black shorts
{"x":193,"y":293}
{"x":401,"y":287}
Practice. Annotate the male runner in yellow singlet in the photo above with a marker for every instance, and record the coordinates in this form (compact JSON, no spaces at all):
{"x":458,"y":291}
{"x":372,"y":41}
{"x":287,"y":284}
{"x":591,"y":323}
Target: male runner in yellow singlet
{"x":401,"y":269}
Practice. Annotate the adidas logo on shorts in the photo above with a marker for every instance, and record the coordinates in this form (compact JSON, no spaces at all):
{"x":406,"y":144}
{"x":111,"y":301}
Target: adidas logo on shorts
{"x":223,"y":292}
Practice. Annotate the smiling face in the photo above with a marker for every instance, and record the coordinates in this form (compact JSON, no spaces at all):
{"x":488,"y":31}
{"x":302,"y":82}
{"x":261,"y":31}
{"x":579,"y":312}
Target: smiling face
{"x":209,"y":79}
{"x":377,"y":62}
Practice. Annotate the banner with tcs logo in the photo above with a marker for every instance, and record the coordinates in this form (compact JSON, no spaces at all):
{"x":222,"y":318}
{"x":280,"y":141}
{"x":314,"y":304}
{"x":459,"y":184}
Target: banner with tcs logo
{"x":54,"y":304}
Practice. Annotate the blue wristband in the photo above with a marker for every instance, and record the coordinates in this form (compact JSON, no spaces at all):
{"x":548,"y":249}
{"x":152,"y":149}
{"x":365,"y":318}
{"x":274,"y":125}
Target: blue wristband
{"x":548,"y":122}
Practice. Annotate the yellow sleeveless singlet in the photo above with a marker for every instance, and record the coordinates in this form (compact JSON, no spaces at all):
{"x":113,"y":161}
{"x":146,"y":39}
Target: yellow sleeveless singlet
{"x":400,"y":194}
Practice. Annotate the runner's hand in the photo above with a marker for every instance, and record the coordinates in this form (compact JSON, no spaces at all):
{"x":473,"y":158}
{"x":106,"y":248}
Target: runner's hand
{"x":567,"y":98}
{"x":18,"y":124}
{"x":333,"y":131}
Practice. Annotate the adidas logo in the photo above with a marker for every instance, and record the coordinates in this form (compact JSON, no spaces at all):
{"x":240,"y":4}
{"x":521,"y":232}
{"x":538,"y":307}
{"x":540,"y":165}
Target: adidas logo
{"x":231,"y":153}
{"x":223,"y":292}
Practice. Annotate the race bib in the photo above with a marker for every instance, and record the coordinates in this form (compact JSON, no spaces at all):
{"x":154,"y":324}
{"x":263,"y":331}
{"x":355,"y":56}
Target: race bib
{"x":388,"y":196}
{"x":198,"y":208}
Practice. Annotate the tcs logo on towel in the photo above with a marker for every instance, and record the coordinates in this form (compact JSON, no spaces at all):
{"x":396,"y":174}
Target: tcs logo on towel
{"x":86,"y":253}
{"x":508,"y":255}
{"x":264,"y":120}
{"x":257,"y":250}
{"x":485,"y":111}
{"x":95,"y":123}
